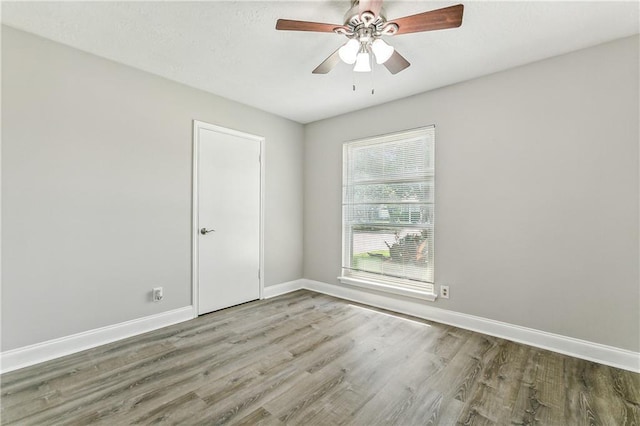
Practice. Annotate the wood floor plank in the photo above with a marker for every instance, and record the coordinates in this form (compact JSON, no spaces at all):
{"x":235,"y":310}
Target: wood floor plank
{"x":462,"y":372}
{"x":231,"y":406}
{"x":309,"y":359}
{"x":627,"y":389}
{"x":258,"y":417}
{"x":579,"y":401}
{"x":402,"y":378}
{"x":297,"y":401}
{"x":496,"y":390}
{"x":539,"y":399}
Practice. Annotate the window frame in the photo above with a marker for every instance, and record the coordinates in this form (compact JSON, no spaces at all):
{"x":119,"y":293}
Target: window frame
{"x":424,"y":290}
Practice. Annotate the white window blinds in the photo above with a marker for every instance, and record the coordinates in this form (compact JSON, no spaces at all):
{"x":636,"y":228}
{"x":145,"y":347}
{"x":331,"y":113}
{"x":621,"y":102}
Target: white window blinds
{"x":388,"y":209}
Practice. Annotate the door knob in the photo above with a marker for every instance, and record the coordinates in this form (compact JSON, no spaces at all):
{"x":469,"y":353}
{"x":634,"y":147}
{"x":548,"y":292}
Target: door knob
{"x":205,"y":231}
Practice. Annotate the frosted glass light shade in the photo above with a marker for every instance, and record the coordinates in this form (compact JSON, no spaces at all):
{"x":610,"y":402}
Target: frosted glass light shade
{"x":381,"y":50}
{"x":349,"y":51}
{"x":362,"y":63}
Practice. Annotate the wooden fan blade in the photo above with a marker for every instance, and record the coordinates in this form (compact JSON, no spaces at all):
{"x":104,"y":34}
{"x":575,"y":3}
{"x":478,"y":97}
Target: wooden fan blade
{"x":396,"y":63}
{"x":291,"y":25}
{"x":439,"y":19}
{"x":328,"y":64}
{"x":372,"y":6}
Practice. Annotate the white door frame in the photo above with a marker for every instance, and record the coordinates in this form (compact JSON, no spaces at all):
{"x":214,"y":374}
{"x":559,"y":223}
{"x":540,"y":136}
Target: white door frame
{"x":197,"y":126}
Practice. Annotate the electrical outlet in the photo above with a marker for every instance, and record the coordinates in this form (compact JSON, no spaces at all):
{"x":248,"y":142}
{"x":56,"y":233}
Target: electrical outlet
{"x":444,"y":291}
{"x":157,"y":294}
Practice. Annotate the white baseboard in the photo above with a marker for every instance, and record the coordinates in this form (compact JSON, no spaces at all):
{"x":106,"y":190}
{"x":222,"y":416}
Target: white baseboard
{"x":51,"y":349}
{"x":603,"y":354}
{"x":282,"y":288}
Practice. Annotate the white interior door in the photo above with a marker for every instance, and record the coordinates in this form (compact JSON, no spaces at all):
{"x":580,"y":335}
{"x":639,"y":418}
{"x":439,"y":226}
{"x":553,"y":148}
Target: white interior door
{"x":228,"y":217}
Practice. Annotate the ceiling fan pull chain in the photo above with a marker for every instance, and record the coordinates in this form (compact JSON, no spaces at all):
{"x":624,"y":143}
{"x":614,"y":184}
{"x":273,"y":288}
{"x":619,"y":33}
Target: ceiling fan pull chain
{"x":372,"y":72}
{"x":353,"y":80}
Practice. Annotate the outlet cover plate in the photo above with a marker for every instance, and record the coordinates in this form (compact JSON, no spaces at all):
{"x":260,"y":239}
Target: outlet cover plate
{"x":444,"y":291}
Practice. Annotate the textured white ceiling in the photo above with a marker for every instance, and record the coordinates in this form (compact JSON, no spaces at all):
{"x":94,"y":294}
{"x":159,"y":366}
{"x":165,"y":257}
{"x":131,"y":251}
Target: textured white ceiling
{"x":231,"y":48}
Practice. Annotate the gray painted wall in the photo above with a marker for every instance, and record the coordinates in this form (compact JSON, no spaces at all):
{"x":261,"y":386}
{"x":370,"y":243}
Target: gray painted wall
{"x":537,"y":191}
{"x":536,"y":196}
{"x":96,"y":189}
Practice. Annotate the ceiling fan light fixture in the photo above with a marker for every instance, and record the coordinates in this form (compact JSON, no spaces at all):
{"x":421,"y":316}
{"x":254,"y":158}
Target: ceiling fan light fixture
{"x":349,"y":51}
{"x":362,"y":63}
{"x":382,"y":50}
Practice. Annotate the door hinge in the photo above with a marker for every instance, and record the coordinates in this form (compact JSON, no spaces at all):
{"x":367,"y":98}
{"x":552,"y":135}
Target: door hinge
{"x":259,"y":158}
{"x":258,"y":273}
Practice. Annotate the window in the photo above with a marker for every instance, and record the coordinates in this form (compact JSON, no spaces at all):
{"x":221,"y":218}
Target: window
{"x":388,"y":212}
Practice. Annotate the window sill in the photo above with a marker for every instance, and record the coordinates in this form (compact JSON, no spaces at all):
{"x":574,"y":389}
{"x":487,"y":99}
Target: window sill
{"x":416,"y":294}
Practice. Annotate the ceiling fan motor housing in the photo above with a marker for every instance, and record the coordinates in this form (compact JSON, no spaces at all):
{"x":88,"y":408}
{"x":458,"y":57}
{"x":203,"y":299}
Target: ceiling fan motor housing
{"x":365,"y":26}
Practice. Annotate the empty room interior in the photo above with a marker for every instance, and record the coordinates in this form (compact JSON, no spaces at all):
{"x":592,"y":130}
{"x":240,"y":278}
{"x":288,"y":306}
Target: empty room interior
{"x":320,"y":212}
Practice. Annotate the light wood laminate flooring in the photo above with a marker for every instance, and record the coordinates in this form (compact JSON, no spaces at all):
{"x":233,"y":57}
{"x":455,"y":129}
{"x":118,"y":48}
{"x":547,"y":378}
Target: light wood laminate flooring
{"x":305,"y":359}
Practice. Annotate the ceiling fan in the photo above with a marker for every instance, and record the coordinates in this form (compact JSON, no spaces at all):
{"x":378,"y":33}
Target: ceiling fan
{"x":364,"y":25}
